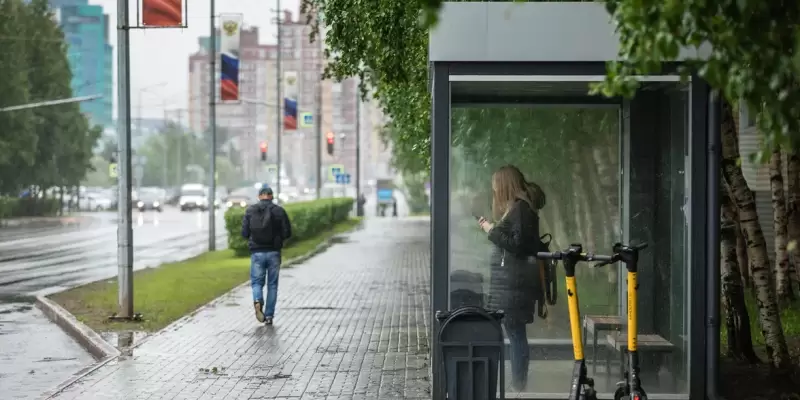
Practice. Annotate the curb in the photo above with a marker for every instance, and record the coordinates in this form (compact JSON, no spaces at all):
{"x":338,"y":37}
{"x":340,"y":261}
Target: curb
{"x":85,"y":336}
{"x":102,"y":351}
{"x":105,"y":352}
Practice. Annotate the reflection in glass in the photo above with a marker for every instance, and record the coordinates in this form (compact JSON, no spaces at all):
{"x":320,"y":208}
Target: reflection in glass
{"x":573,"y":156}
{"x":590,"y":197}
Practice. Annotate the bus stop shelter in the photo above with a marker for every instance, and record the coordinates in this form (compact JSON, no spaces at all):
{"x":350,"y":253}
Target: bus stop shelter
{"x":510,"y":85}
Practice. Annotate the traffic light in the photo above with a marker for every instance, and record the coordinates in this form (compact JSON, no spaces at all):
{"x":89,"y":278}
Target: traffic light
{"x":330,"y":143}
{"x":264,"y":151}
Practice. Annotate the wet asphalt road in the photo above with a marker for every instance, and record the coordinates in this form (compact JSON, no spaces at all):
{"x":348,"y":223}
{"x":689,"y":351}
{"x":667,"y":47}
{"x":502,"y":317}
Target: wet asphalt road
{"x":35,"y":355}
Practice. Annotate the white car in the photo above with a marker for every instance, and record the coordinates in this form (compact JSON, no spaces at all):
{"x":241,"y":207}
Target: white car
{"x":193,"y":201}
{"x":94,"y":202}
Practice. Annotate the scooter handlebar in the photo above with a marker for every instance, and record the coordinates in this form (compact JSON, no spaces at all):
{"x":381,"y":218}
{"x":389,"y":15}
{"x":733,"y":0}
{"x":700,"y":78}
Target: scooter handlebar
{"x":619,"y":247}
{"x":560,"y":255}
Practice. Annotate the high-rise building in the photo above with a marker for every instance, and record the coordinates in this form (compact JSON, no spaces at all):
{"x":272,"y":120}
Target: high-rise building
{"x":89,"y":53}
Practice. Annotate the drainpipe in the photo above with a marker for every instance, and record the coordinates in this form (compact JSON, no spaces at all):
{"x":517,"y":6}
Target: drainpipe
{"x":713,"y":242}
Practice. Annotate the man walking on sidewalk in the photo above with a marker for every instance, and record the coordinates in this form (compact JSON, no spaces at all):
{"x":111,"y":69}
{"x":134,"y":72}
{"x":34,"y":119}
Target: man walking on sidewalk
{"x":266,"y":227}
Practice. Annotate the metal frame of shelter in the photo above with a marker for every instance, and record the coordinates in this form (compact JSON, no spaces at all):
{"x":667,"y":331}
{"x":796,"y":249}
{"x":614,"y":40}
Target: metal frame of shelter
{"x":479,"y":43}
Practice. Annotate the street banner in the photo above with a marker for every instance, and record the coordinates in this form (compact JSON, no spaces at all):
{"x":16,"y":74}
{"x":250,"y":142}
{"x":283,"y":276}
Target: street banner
{"x":290,"y":101}
{"x":162,"y":13}
{"x":229,"y":52}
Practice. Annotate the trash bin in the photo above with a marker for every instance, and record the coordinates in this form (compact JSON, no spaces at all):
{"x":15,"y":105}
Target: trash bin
{"x":471,"y":342}
{"x":466,"y":289}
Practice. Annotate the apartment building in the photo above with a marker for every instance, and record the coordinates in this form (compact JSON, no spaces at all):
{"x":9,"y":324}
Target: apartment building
{"x":255,"y":119}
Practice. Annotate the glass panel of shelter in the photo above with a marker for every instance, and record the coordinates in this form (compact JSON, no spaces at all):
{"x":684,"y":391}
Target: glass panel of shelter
{"x":591,"y":164}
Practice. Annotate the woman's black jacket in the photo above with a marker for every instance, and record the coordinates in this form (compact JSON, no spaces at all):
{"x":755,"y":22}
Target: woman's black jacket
{"x":513,"y":278}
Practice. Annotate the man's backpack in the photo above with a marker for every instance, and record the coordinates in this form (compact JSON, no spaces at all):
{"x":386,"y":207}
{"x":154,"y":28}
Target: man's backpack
{"x":547,"y":278}
{"x":262,"y":231}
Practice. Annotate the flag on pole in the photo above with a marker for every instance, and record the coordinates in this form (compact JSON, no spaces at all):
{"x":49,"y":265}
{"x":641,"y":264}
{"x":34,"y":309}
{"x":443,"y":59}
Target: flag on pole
{"x":229,"y":52}
{"x":162,"y":13}
{"x":290,"y":100}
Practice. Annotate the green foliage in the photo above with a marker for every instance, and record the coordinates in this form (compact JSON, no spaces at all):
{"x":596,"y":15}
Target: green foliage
{"x":383,"y":42}
{"x":753,"y":57}
{"x":171,"y":150}
{"x":43,"y":146}
{"x":308,"y":218}
{"x":15,"y":207}
{"x":414,"y":185}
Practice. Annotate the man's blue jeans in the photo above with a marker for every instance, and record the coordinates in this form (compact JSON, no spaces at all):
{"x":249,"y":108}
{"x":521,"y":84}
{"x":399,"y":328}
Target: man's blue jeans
{"x":265,"y":268}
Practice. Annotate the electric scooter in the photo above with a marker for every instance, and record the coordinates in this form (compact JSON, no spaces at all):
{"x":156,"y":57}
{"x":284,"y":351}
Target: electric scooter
{"x":631,"y":387}
{"x":582,"y":387}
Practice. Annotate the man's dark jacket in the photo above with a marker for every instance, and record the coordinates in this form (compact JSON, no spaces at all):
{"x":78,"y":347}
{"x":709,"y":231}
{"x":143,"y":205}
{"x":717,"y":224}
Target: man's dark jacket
{"x":281,"y":227}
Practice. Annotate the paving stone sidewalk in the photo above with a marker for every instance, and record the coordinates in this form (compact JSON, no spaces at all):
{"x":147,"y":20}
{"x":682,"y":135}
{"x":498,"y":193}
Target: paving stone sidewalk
{"x":352,"y":323}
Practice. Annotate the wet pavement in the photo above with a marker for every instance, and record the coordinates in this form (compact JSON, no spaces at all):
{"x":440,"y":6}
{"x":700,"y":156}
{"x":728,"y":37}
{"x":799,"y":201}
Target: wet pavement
{"x":351,"y":323}
{"x":35,"y":354}
{"x":50,"y":256}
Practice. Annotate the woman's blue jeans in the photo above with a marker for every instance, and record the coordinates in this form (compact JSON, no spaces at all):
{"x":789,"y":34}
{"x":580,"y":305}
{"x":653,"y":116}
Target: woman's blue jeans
{"x":520,"y":356}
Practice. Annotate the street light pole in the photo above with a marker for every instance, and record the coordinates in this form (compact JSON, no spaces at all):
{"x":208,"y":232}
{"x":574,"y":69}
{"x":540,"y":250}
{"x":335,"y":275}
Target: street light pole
{"x":318,"y":126}
{"x":124,"y":206}
{"x":359,"y":206}
{"x":279,"y":127}
{"x":212,"y":108}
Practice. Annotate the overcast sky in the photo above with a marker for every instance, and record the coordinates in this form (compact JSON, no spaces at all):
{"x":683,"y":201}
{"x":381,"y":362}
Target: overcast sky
{"x":159,"y":57}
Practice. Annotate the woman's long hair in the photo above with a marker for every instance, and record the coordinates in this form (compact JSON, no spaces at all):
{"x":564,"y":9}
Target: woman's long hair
{"x":508,"y":185}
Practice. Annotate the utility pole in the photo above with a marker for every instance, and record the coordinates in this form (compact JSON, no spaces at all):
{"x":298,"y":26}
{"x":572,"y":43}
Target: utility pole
{"x":124,"y":206}
{"x":179,"y":156}
{"x":279,"y":126}
{"x":359,"y":206}
{"x":166,"y":143}
{"x":318,"y":136}
{"x":212,"y":108}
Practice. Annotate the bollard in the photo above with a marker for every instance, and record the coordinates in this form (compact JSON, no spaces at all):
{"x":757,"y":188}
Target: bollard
{"x":471,"y":342}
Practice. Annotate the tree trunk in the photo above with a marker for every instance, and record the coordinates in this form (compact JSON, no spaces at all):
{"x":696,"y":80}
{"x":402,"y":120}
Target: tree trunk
{"x":768,"y":315}
{"x":783,"y":282}
{"x":793,"y":209}
{"x":741,"y":255}
{"x":737,"y":321}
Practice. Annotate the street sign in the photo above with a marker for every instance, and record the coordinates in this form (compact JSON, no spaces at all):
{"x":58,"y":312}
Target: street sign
{"x":112,"y":170}
{"x":343,"y":179}
{"x":333,"y":170}
{"x":306,"y":120}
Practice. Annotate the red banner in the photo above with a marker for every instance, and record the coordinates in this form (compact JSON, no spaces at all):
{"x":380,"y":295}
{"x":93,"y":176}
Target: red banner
{"x":162,"y":13}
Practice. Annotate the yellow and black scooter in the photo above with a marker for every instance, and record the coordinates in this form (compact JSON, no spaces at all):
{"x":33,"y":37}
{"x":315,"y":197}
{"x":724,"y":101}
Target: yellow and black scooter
{"x":631,"y":387}
{"x":581,"y":386}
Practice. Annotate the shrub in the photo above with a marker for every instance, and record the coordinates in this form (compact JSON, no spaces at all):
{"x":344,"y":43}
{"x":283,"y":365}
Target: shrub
{"x":15,"y":207}
{"x":308,"y":218}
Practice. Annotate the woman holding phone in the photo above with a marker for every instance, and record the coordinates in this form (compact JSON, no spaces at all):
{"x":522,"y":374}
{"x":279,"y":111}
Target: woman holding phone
{"x":515,"y":237}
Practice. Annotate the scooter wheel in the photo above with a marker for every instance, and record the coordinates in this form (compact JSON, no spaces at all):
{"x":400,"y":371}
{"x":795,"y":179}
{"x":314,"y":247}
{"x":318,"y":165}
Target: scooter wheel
{"x":638,"y":394}
{"x":619,"y":394}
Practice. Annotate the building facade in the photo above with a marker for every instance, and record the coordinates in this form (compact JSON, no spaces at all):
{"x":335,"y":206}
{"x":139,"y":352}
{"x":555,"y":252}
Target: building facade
{"x":255,"y":118}
{"x":86,"y":31}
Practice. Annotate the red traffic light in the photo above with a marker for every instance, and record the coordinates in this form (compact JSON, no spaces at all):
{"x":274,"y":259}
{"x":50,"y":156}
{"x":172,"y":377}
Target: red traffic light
{"x":263,"y":147}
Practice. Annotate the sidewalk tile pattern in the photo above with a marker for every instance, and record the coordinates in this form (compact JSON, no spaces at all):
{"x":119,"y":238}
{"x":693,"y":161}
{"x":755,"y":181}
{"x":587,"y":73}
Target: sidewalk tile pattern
{"x":352,"y":323}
